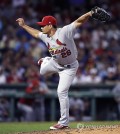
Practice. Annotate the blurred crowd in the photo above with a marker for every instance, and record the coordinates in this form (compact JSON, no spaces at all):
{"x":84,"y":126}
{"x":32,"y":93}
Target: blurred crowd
{"x":98,"y":43}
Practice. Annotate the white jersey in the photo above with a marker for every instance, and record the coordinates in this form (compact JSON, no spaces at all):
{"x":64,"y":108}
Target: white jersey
{"x":61,"y":45}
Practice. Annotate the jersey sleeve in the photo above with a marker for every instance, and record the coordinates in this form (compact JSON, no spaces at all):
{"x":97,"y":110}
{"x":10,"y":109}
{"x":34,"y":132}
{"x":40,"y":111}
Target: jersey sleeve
{"x":42,"y":36}
{"x":69,"y":30}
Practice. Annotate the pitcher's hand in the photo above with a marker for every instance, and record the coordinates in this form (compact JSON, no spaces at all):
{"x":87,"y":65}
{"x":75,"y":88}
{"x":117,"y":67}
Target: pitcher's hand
{"x":21,"y":22}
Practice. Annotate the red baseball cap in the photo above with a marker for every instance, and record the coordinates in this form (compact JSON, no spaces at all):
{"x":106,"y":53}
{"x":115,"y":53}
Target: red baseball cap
{"x":48,"y":20}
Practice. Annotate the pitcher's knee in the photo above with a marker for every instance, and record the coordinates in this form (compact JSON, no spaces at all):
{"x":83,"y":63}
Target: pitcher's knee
{"x":42,"y":72}
{"x":62,"y":93}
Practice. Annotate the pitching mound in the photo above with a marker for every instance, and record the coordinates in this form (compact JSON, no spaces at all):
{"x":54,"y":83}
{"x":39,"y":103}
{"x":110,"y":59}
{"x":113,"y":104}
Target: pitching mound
{"x":93,"y":130}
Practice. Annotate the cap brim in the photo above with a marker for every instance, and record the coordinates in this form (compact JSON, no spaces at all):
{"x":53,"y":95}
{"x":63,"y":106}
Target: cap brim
{"x":41,"y":23}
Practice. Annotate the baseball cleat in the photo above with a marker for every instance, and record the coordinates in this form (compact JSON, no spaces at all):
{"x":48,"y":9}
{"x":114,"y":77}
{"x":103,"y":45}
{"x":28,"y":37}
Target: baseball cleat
{"x":58,"y":126}
{"x":40,"y":61}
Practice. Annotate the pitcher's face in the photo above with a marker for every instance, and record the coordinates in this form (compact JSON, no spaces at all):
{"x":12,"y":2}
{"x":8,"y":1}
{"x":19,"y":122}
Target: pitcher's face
{"x":46,"y":29}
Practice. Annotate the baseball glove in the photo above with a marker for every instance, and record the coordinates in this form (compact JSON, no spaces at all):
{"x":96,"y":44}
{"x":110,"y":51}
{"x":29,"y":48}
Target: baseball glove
{"x":100,"y":14}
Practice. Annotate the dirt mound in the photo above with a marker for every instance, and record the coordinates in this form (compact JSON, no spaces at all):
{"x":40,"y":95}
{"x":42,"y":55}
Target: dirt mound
{"x":113,"y":129}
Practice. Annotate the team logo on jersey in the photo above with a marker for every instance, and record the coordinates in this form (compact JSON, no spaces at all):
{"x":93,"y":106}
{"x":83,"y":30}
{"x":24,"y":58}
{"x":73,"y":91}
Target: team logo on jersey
{"x":53,"y":48}
{"x":58,"y":49}
{"x":60,"y":43}
{"x":64,"y":52}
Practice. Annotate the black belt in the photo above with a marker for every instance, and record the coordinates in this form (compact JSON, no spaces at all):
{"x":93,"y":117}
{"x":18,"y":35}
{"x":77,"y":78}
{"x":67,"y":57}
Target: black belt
{"x":65,"y":66}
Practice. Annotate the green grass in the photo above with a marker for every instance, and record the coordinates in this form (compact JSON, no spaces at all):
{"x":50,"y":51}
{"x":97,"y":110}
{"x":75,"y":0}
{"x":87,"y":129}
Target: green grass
{"x":11,"y":128}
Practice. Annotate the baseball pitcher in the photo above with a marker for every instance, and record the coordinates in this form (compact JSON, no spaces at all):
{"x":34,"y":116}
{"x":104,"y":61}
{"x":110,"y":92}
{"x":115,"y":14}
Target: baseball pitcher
{"x":63,"y":60}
